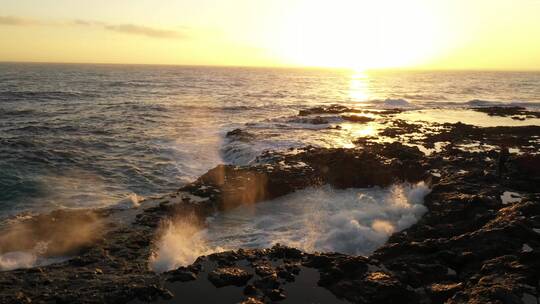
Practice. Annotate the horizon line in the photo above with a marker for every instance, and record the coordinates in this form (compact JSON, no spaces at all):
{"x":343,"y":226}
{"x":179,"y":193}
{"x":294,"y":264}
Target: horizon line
{"x":277,"y":66}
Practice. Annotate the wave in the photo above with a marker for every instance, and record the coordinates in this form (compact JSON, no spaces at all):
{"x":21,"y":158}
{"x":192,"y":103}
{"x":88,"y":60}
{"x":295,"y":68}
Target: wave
{"x":487,"y":103}
{"x":16,"y":112}
{"x":219,"y":107}
{"x":426,"y":97}
{"x":428,"y":104}
{"x":353,"y":221}
{"x":132,"y":200}
{"x":268,"y":94}
{"x":28,"y":259}
{"x":242,"y":146}
{"x":43,"y":95}
{"x":179,"y":244}
{"x":394,"y":104}
{"x":238,"y":153}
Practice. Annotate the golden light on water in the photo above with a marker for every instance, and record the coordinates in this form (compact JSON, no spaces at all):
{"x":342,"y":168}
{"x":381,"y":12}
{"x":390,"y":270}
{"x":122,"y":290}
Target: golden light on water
{"x":358,"y":89}
{"x":366,"y":131}
{"x":352,"y":132}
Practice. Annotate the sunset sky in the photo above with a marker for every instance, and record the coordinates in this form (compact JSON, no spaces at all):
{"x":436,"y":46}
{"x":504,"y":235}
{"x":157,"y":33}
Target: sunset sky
{"x":362,"y":34}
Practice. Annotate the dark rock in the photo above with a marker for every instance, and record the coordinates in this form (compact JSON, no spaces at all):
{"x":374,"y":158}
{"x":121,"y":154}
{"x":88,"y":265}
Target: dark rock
{"x":250,"y":290}
{"x":516,"y":113}
{"x":357,"y":118}
{"x":221,"y":277}
{"x":267,"y":283}
{"x":440,"y":292}
{"x":319,"y":261}
{"x":285,"y":274}
{"x":276,"y":295}
{"x":333,"y":109}
{"x":252,"y":301}
{"x":318,"y":120}
{"x":264,"y":270}
{"x":241,"y":135}
{"x":468,"y":247}
{"x":181,"y":275}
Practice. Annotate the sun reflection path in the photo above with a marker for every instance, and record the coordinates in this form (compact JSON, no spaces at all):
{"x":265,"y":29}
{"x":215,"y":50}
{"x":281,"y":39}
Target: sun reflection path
{"x":358,"y":89}
{"x":368,"y":131}
{"x":352,"y":132}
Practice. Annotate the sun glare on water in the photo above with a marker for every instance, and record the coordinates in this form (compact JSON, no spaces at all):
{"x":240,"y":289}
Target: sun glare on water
{"x":358,"y":89}
{"x":361,"y":34}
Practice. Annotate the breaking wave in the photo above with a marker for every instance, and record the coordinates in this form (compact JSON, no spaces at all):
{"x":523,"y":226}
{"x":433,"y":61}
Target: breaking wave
{"x":353,"y":221}
{"x":179,"y":244}
{"x":28,"y":259}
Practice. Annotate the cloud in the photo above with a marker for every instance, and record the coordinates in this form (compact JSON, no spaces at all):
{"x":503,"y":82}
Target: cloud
{"x":16,"y":21}
{"x":131,"y":29}
{"x":81,"y":22}
{"x":144,"y":31}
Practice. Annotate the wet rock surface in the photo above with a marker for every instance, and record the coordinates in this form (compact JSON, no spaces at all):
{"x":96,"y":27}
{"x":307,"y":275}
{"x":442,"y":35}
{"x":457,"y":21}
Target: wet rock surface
{"x":472,"y":246}
{"x":229,"y":276}
{"x":517,"y":113}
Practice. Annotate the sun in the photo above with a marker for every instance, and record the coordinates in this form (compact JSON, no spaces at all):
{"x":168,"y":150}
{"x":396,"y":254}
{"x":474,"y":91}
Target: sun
{"x":360,"y":34}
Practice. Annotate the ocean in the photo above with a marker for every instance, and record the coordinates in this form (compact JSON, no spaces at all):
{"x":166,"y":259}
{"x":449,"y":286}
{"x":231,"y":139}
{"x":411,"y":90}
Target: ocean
{"x":81,"y":136}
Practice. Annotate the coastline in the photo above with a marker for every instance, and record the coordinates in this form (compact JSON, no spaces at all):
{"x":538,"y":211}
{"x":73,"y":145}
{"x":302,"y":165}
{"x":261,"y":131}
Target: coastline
{"x":469,"y":246}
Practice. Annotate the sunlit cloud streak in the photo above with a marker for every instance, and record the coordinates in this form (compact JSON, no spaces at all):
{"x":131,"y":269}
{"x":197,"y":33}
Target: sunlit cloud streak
{"x":145,"y":31}
{"x":18,"y":21}
{"x":132,"y":29}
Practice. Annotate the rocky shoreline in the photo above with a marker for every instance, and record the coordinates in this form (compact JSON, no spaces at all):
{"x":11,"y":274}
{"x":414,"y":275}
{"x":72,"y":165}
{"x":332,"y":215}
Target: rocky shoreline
{"x":479,"y":242}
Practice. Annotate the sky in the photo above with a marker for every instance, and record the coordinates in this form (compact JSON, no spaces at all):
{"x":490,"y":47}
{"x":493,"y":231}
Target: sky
{"x":359,"y":34}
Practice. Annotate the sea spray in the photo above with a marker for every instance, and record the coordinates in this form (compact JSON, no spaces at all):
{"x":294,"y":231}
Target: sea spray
{"x":132,"y":200}
{"x":47,"y":238}
{"x":352,"y":221}
{"x":22,"y":259}
{"x":180,"y":244}
{"x":28,"y":259}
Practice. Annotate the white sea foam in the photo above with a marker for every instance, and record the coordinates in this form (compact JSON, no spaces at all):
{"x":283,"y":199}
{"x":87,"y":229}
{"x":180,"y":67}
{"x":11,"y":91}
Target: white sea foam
{"x":391,"y":103}
{"x":27,"y":259}
{"x":132,"y":200}
{"x":180,"y":244}
{"x":353,"y":221}
{"x":17,"y":259}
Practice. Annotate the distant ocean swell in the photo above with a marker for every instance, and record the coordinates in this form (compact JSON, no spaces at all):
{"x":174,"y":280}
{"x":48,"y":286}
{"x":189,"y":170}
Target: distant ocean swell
{"x":81,"y":136}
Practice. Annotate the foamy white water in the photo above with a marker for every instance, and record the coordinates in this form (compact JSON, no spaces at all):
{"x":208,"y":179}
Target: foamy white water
{"x":27,"y":259}
{"x":353,"y":221}
{"x":180,"y":244}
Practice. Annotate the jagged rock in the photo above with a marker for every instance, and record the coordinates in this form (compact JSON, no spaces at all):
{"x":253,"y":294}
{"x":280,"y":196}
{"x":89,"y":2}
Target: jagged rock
{"x":267,"y":282}
{"x":221,"y":277}
{"x":181,"y":275}
{"x":265,"y":270}
{"x":276,"y":295}
{"x":440,"y":292}
{"x":241,"y":135}
{"x":333,"y":109}
{"x":250,"y":290}
{"x":516,"y":113}
{"x":468,"y":247}
{"x":251,"y":301}
{"x":357,"y":118}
